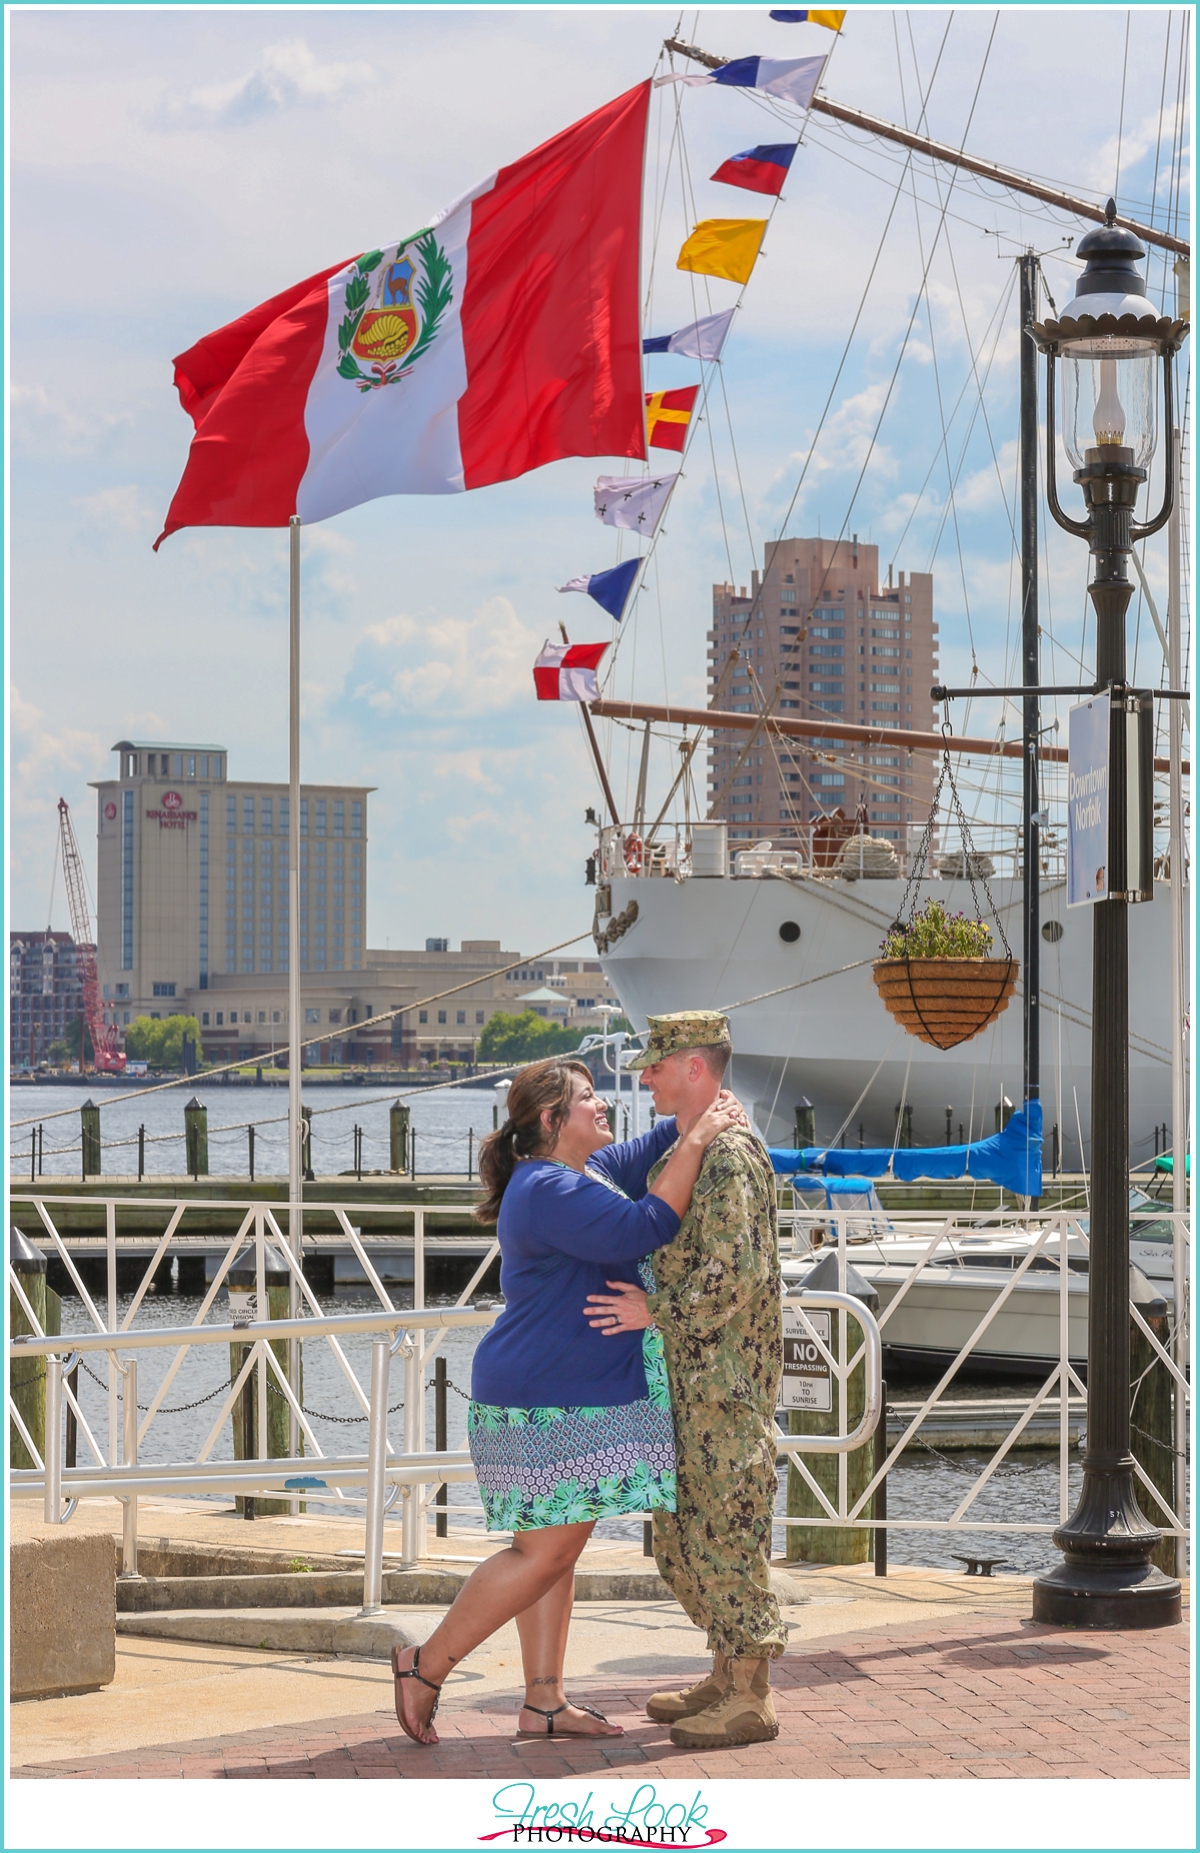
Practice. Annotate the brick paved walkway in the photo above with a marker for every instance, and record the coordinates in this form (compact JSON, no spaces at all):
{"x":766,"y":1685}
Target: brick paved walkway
{"x":986,"y":1697}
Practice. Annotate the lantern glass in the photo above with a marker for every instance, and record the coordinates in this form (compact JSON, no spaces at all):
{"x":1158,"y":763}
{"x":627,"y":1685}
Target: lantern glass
{"x":1108,"y":397}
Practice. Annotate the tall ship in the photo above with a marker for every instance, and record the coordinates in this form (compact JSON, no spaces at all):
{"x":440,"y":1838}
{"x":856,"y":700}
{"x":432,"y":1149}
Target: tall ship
{"x":798,"y":829}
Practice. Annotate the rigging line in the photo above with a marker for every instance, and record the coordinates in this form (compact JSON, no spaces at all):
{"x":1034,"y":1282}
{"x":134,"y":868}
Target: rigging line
{"x":912,"y":318}
{"x":937,"y":380}
{"x":1121,"y":116}
{"x":706,"y":378}
{"x":996,"y":322}
{"x":310,"y":1042}
{"x":866,"y":1090}
{"x":797,"y":984}
{"x":858,"y":314}
{"x":981,"y":406}
{"x":1162,"y":102}
{"x":989,"y":193}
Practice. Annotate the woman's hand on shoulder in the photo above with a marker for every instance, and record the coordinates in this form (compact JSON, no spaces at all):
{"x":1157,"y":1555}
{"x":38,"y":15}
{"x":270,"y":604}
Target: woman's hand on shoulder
{"x":726,"y":1111}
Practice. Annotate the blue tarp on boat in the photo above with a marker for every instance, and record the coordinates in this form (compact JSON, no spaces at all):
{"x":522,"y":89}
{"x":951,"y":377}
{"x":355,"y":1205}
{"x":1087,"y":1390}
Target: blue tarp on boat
{"x":1012,"y":1158}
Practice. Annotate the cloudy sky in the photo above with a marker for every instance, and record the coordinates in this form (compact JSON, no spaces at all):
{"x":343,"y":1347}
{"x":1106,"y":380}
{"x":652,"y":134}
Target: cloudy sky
{"x":171,"y":168}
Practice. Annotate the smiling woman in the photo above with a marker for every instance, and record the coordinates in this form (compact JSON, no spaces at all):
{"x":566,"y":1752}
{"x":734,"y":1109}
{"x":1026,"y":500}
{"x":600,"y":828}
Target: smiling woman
{"x":566,"y":1425}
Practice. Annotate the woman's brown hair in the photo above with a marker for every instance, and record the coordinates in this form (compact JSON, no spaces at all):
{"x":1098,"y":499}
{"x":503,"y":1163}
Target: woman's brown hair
{"x":543,"y":1086}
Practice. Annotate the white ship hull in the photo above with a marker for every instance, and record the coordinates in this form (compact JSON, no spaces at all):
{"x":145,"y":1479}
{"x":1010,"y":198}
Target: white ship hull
{"x":714,"y":943}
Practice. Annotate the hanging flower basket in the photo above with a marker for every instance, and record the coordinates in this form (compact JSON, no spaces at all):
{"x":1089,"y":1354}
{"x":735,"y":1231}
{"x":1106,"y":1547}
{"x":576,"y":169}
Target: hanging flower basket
{"x":945,"y":1001}
{"x":938,"y":979}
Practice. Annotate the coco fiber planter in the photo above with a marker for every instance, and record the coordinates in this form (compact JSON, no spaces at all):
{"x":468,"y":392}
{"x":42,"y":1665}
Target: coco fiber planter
{"x":945,"y":1001}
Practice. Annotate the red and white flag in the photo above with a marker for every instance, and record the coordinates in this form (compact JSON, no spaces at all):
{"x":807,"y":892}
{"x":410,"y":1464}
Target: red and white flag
{"x":503,"y":336}
{"x":567,"y":671}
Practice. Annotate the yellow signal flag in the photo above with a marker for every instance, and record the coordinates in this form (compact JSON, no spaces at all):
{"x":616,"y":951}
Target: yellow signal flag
{"x":723,"y":248}
{"x":828,"y":16}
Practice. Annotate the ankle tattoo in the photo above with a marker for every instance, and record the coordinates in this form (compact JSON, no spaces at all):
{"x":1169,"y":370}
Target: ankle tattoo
{"x":545,"y":1679}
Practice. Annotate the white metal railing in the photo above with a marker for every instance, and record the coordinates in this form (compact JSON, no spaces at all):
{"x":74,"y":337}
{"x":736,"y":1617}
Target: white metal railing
{"x":121,"y":1470}
{"x":946,"y":1247}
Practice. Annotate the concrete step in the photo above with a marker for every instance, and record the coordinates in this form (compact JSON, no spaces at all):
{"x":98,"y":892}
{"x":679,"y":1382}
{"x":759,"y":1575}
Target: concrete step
{"x":428,"y":1586}
{"x":278,"y":1630}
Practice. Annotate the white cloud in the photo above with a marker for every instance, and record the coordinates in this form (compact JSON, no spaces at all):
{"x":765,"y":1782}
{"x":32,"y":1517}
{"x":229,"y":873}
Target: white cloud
{"x":61,"y":420}
{"x":464,"y":665}
{"x":121,"y":507}
{"x":285,"y":75}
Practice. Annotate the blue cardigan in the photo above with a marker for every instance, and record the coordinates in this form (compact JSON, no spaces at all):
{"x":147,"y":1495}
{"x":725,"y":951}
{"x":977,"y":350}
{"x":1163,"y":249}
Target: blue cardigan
{"x":563,"y":1235}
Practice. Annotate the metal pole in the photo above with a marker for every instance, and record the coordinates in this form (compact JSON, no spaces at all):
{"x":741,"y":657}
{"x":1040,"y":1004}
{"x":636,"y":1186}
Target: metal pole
{"x":372,"y":1602}
{"x":880,"y":1496}
{"x":410,"y":1530}
{"x":72,"y":1381}
{"x":439,"y":1435}
{"x":52,"y":1446}
{"x":1180,"y":1142}
{"x":1031,"y":715}
{"x":141,"y":1152}
{"x":295,"y":1019}
{"x":1106,"y":1579}
{"x":129,"y":1425}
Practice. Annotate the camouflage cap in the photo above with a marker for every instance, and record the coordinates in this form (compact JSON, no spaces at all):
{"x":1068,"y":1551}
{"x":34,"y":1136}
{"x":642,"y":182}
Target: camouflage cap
{"x":682,"y":1029}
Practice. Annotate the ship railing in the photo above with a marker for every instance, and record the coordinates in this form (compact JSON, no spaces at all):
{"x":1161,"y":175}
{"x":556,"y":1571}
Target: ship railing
{"x":1062,"y":1392}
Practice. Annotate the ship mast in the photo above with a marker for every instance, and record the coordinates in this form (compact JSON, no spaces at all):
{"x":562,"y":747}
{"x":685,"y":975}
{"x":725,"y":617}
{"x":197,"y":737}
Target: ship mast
{"x":1031,"y":748}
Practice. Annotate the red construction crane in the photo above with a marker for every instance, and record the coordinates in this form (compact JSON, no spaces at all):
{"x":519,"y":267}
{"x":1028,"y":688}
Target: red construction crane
{"x":107,"y":1054}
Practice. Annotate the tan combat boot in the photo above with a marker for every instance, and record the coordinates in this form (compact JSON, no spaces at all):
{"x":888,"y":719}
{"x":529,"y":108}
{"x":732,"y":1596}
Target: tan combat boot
{"x":744,"y":1713}
{"x":666,"y":1707}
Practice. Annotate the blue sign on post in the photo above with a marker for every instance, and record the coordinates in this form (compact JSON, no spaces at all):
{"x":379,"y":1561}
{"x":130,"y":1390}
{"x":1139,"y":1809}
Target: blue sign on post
{"x":1087,"y":802}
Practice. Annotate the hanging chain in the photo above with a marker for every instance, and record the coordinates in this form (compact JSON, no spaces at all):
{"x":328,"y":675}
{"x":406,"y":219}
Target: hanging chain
{"x":972,"y":865}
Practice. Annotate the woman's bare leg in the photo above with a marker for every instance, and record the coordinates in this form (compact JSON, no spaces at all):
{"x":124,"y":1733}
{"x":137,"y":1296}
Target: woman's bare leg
{"x":503,"y":1586}
{"x":543,"y":1629}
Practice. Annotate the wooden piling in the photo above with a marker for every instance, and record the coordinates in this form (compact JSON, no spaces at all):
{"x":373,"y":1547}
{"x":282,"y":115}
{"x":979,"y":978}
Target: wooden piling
{"x":195,"y":1128}
{"x":398,"y":1123}
{"x":242,"y":1278}
{"x":89,"y":1125}
{"x":27,"y":1376}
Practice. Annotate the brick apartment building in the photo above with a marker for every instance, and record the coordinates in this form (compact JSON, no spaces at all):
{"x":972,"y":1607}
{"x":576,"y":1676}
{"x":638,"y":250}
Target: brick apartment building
{"x":45,"y":993}
{"x":818,"y":632}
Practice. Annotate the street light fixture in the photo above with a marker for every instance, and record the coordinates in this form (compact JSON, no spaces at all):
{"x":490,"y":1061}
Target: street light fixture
{"x":1109,"y":340}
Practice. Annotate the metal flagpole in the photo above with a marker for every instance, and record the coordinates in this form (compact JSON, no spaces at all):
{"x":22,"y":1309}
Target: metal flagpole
{"x":1031,"y":713}
{"x":295,"y":1026}
{"x":1179,"y":1127}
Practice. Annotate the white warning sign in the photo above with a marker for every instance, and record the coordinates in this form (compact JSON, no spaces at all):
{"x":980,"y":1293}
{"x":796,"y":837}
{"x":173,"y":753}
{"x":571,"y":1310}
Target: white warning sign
{"x":807,"y":1379}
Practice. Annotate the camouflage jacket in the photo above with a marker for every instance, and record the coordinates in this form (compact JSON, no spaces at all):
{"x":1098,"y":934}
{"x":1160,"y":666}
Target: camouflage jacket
{"x":717,"y":1302}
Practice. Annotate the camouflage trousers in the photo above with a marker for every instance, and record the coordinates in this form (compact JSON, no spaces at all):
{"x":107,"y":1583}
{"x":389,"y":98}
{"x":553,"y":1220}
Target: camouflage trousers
{"x":715,"y":1549}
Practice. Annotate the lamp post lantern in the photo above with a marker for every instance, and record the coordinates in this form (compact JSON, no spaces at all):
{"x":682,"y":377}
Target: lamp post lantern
{"x":1109,"y":341}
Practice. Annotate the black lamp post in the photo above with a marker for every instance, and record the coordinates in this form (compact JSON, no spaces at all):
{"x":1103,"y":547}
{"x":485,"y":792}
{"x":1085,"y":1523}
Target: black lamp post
{"x":1109,"y":340}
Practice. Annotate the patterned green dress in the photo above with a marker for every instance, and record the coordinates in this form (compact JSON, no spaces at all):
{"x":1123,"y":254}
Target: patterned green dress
{"x":545,"y":1466}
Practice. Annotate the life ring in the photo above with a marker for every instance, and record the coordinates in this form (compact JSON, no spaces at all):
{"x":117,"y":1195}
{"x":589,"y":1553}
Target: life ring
{"x":633,"y":854}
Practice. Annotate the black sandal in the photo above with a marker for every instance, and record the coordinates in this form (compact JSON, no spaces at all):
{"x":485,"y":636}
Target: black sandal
{"x":550,"y":1716}
{"x":411,"y":1672}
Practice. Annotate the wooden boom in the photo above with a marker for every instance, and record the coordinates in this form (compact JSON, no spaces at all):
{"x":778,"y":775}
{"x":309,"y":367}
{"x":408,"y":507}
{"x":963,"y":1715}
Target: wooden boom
{"x":837,"y":730}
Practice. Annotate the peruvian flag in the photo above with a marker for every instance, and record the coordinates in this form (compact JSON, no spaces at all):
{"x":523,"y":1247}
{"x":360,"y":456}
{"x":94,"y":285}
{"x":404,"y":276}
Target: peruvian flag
{"x":501,"y":337}
{"x":567,"y":671}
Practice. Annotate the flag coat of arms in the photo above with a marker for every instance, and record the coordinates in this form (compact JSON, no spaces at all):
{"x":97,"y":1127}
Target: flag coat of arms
{"x":668,"y":415}
{"x":567,"y":671}
{"x":499,"y":338}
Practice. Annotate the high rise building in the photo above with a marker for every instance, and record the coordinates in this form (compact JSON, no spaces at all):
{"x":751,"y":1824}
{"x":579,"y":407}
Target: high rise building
{"x":45,"y":994}
{"x":818,"y":635}
{"x":192,"y":877}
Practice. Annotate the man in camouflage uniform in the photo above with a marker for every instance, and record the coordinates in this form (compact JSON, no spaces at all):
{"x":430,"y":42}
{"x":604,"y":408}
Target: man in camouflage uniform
{"x":717,"y":1305}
